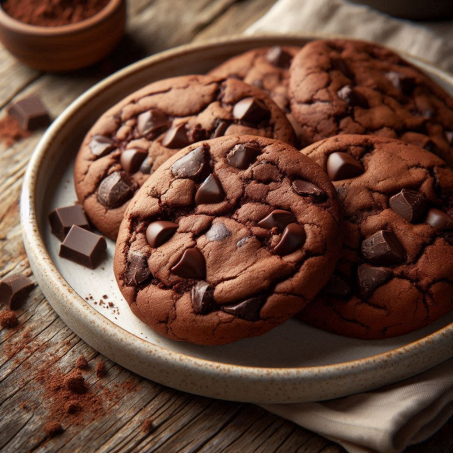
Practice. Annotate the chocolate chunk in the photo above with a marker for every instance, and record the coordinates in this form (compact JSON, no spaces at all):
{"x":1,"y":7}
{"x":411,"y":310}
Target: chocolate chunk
{"x":352,"y":97}
{"x":251,"y":110}
{"x":242,"y":156}
{"x":190,"y":165}
{"x":30,"y":112}
{"x":383,"y":248}
{"x":401,"y":82}
{"x":292,"y":239}
{"x":151,"y":121}
{"x":277,"y":218}
{"x":278,"y":57}
{"x":220,"y":128}
{"x":83,"y":247}
{"x":369,"y":278}
{"x":137,"y":268}
{"x":116,"y":189}
{"x":449,"y":136}
{"x":409,"y":204}
{"x":439,"y":220}
{"x":146,"y":166}
{"x":248,"y":309}
{"x":176,"y":137}
{"x":210,"y":191}
{"x":160,"y":232}
{"x":132,"y":159}
{"x":14,"y":289}
{"x":191,"y":265}
{"x":100,"y":146}
{"x":337,"y":286}
{"x":307,"y":189}
{"x":218,"y":232}
{"x":203,"y":298}
{"x":62,"y":219}
{"x":343,"y":166}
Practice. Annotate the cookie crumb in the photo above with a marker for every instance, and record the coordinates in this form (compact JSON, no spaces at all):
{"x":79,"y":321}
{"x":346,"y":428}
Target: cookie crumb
{"x":82,"y":363}
{"x":101,"y":371}
{"x":148,"y":426}
{"x":74,"y":382}
{"x":105,"y":296}
{"x":53,"y":428}
{"x":8,"y":319}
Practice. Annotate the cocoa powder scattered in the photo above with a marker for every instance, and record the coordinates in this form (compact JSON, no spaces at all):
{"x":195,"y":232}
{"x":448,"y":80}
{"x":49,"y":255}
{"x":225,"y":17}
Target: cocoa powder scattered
{"x":8,"y":319}
{"x":75,"y":382}
{"x":53,"y":428}
{"x":10,"y":131}
{"x":82,"y":363}
{"x":101,"y":370}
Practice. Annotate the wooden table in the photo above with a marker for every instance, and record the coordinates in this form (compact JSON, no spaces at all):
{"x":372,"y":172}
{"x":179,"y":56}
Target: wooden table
{"x":181,"y":422}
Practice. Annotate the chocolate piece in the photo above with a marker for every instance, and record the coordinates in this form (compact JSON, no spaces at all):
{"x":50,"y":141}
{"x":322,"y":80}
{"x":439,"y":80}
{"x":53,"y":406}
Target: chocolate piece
{"x":292,"y":239}
{"x":369,"y":278}
{"x":116,"y":189}
{"x":251,"y":110}
{"x":146,"y":166}
{"x":337,"y":286}
{"x":277,"y":218}
{"x":278,"y":57}
{"x":151,"y":121}
{"x":343,"y":166}
{"x":352,"y":97}
{"x":409,"y":204}
{"x":242,"y":156}
{"x":30,"y":112}
{"x":14,"y":289}
{"x":248,"y":309}
{"x":439,"y":220}
{"x":160,"y":232}
{"x":401,"y":81}
{"x":62,"y":219}
{"x":210,"y":191}
{"x":217,"y":232}
{"x":83,"y":247}
{"x":449,"y":136}
{"x":176,"y":137}
{"x":137,"y":268}
{"x":203,"y":298}
{"x":100,"y":146}
{"x":190,"y":165}
{"x":191,"y":265}
{"x":220,"y":128}
{"x":383,"y":249}
{"x":307,"y":189}
{"x":132,"y":159}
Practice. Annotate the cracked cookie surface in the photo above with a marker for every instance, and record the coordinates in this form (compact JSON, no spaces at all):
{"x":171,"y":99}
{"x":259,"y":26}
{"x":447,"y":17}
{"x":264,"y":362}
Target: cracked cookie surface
{"x":352,"y":87}
{"x":395,"y":271}
{"x":133,"y":138}
{"x":228,"y":239}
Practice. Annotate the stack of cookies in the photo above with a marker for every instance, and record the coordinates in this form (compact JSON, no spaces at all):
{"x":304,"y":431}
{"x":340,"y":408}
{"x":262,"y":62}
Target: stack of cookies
{"x":310,"y":182}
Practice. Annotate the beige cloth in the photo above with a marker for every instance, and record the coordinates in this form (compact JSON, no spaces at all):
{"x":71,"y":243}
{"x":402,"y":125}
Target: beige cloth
{"x":389,"y":419}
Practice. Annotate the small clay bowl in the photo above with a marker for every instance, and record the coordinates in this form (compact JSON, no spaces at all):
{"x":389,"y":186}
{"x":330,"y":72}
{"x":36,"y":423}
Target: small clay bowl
{"x":68,"y":47}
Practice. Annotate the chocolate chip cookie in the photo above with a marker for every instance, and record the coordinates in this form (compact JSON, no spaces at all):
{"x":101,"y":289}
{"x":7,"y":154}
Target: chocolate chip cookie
{"x":395,"y":272}
{"x":131,"y":140}
{"x":228,"y":239}
{"x":352,"y":87}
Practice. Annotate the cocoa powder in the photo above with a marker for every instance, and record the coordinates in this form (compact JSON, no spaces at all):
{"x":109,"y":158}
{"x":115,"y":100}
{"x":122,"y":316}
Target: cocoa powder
{"x":101,"y":370}
{"x":10,"y":131}
{"x":8,"y":319}
{"x":82,"y":363}
{"x":53,"y":428}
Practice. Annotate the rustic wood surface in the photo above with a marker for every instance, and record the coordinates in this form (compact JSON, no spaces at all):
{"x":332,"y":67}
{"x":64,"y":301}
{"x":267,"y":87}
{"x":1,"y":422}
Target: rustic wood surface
{"x":181,"y":422}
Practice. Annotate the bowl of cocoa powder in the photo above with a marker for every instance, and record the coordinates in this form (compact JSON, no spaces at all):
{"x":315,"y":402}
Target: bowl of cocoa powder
{"x":61,"y":35}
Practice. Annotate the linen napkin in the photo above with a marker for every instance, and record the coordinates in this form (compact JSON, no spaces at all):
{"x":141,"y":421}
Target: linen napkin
{"x":389,"y":419}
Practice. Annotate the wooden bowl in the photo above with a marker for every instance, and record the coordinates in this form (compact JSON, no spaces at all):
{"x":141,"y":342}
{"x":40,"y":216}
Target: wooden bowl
{"x":68,"y":47}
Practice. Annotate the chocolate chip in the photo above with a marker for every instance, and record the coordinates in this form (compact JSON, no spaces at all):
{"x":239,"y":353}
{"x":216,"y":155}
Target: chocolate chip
{"x":218,"y":232}
{"x":14,"y":289}
{"x":248,"y":309}
{"x":337,"y":286}
{"x":151,"y":121}
{"x":210,"y":191}
{"x":307,"y":189}
{"x":369,"y":278}
{"x":352,"y":97}
{"x":100,"y":146}
{"x":220,"y":128}
{"x":439,"y":220}
{"x":449,"y":136}
{"x":430,"y":146}
{"x":137,"y":268}
{"x":251,"y":110}
{"x":277,"y":218}
{"x":132,"y":159}
{"x":343,"y":166}
{"x":292,"y":239}
{"x":83,"y":247}
{"x":176,"y":137}
{"x":160,"y":232}
{"x":116,"y":189}
{"x":30,"y":112}
{"x":383,"y":248}
{"x":203,"y":298}
{"x":401,"y":81}
{"x":62,"y":219}
{"x":242,"y":156}
{"x":146,"y":166}
{"x":190,"y":165}
{"x":191,"y":265}
{"x":409,"y":204}
{"x":278,"y":57}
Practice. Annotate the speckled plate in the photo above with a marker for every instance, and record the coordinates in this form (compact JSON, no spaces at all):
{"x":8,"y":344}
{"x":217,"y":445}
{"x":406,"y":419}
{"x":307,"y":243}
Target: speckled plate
{"x":293,"y":363}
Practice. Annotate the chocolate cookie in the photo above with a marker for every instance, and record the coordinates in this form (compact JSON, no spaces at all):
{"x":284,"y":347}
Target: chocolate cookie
{"x":132,"y":139}
{"x":352,"y":87}
{"x":395,"y":272}
{"x":228,"y":239}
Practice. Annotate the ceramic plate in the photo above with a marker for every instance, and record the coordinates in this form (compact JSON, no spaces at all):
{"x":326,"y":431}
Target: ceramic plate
{"x":292,"y":363}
